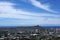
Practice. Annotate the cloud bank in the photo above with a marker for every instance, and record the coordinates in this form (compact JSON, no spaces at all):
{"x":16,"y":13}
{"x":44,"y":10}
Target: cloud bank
{"x":7,"y":11}
{"x":42,"y":6}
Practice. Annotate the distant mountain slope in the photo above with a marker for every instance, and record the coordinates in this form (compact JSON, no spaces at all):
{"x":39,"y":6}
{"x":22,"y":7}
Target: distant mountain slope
{"x":51,"y":26}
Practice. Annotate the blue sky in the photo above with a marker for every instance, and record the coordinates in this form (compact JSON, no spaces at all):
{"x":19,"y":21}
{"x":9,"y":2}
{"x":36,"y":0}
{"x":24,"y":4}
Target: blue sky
{"x":29,"y":12}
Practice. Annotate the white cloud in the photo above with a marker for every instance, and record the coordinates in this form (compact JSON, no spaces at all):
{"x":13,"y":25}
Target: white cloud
{"x":7,"y":11}
{"x":42,"y":6}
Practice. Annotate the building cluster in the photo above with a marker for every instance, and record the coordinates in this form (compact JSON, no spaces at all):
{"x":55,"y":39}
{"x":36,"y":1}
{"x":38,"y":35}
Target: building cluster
{"x":30,"y":33}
